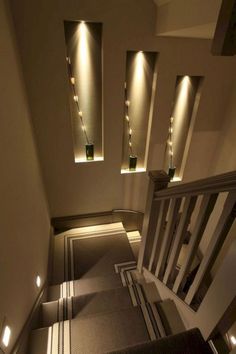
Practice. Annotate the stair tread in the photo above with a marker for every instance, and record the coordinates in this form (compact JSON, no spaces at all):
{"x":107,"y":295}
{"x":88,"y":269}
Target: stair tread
{"x":170,"y":317}
{"x":104,"y":301}
{"x":105,"y":332}
{"x":88,"y":286}
{"x":98,"y":333}
{"x":95,"y":251}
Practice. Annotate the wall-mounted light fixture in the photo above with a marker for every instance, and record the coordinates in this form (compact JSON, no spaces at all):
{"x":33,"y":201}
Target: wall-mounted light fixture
{"x":6,"y":336}
{"x":233,"y":340}
{"x":38,"y":281}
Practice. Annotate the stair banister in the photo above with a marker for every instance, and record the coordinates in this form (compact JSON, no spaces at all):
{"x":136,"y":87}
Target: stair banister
{"x":158,"y":180}
{"x":220,"y":183}
{"x":164,"y":227}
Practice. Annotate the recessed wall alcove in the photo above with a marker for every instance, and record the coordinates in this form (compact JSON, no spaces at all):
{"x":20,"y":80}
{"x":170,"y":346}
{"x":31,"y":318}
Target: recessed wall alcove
{"x":84,"y":66}
{"x":184,"y":112}
{"x":139,"y":92}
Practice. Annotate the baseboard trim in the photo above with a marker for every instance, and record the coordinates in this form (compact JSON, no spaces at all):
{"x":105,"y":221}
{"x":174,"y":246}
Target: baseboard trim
{"x":31,"y":322}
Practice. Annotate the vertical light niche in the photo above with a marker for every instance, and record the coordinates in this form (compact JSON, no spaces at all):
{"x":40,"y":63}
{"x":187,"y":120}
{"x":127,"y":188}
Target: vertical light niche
{"x":181,"y":124}
{"x":84,"y":67}
{"x":139,"y":93}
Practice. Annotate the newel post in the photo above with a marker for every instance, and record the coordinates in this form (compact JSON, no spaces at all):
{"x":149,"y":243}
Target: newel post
{"x":157,"y":180}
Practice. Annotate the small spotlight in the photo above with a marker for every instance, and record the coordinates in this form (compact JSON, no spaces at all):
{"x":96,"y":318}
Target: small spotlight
{"x":38,"y":281}
{"x":6,"y":336}
{"x":82,"y":22}
{"x":233,"y":340}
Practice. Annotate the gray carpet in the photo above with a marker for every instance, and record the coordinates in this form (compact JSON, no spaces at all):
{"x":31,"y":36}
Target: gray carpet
{"x":105,"y":332}
{"x":189,"y":342}
{"x":94,"y":257}
{"x":105,"y":301}
{"x":96,"y":284}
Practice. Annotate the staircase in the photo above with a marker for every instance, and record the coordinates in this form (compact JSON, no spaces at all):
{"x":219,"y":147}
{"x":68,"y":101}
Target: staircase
{"x":99,"y":302}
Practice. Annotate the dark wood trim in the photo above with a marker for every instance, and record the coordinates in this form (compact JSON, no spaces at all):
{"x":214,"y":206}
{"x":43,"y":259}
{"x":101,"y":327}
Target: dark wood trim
{"x":224,"y":41}
{"x":131,"y":219}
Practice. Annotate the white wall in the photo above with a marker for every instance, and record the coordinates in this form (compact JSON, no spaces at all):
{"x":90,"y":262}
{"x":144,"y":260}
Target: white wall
{"x":24,"y":217}
{"x":127,"y":25}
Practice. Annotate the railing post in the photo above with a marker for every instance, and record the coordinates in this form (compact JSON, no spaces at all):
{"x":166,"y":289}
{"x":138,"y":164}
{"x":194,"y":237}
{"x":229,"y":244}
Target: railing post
{"x":157,"y":180}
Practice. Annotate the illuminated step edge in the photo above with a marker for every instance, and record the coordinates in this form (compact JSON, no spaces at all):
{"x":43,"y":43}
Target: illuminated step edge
{"x":134,"y":236}
{"x":59,"y":338}
{"x":176,"y":179}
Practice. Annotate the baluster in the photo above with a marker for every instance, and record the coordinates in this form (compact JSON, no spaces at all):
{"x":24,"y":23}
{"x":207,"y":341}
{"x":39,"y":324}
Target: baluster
{"x":157,"y":180}
{"x":222,"y":228}
{"x":207,"y":205}
{"x":168,"y":235}
{"x":159,"y":232}
{"x":189,"y":206}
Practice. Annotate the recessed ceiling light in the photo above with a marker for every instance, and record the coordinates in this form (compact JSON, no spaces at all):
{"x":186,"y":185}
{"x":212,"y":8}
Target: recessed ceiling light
{"x":233,"y":340}
{"x":6,"y":336}
{"x":38,"y":281}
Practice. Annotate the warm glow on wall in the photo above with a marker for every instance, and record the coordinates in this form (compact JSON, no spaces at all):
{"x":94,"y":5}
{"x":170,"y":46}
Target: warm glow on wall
{"x":139,"y":88}
{"x":184,"y":112}
{"x":84,"y":50}
{"x":138,"y":84}
{"x":83,"y":44}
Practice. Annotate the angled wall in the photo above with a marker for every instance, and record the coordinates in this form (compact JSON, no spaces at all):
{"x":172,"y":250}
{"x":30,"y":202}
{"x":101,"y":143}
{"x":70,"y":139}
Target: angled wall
{"x":24,"y":220}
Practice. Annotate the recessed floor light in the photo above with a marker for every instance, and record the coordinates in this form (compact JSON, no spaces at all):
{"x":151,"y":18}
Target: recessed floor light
{"x":6,"y":336}
{"x":38,"y":281}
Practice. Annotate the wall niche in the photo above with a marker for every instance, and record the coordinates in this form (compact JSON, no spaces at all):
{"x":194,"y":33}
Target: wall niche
{"x":139,"y":93}
{"x":184,"y":111}
{"x":84,"y":66}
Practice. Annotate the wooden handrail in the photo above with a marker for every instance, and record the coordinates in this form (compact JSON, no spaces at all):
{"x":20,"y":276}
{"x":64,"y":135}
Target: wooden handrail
{"x":220,"y":183}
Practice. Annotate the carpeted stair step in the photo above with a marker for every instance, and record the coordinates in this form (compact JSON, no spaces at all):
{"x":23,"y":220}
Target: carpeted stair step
{"x":129,"y":275}
{"x":104,"y":301}
{"x":68,"y":308}
{"x":38,"y":341}
{"x":97,"y":333}
{"x":89,"y":252}
{"x":170,"y":317}
{"x":84,"y":286}
{"x":106,"y":332}
{"x":188,"y":342}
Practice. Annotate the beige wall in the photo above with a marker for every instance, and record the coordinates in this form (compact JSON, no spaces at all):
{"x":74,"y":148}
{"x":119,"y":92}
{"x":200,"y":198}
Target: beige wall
{"x":127,"y":25}
{"x":24,"y":218}
{"x":192,"y":18}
